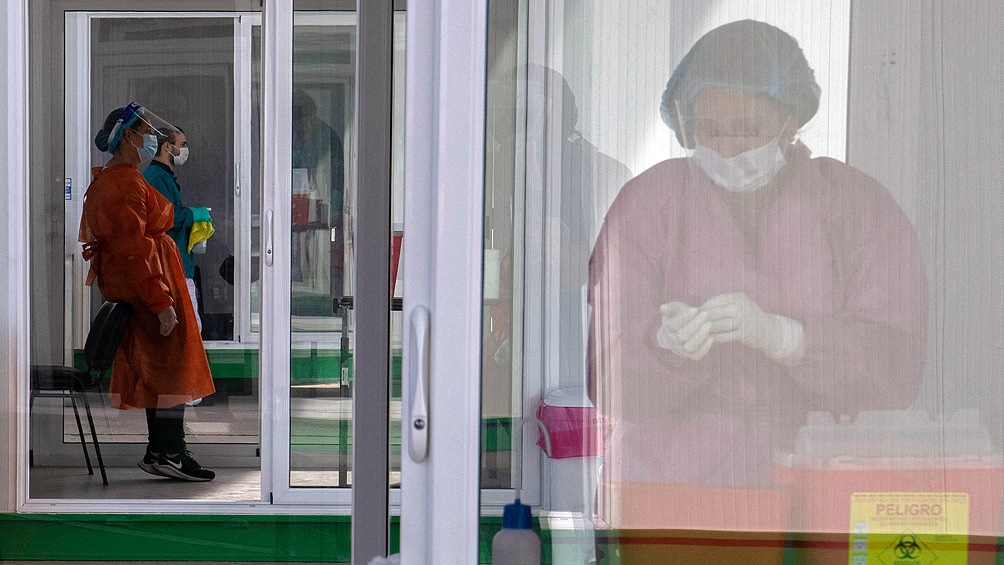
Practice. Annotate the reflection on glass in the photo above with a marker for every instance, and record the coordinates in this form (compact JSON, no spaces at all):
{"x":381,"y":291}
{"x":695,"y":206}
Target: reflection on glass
{"x":777,"y":341}
{"x":737,"y":291}
{"x":551,"y":161}
{"x":318,"y":193}
{"x":253,"y":264}
{"x":321,"y":365}
{"x":323,"y":212}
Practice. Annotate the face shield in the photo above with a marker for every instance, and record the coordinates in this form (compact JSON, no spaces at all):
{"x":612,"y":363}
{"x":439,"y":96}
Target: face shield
{"x":131,"y":117}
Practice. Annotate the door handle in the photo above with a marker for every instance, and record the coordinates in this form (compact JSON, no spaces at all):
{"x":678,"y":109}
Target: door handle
{"x":418,"y":378}
{"x":237,"y":179}
{"x":268,"y":237}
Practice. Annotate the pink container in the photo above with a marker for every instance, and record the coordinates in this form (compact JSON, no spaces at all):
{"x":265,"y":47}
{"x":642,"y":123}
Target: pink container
{"x":575,"y":428}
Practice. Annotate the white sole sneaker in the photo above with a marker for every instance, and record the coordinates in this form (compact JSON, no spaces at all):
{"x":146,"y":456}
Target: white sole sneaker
{"x":169,"y":468}
{"x":150,"y":468}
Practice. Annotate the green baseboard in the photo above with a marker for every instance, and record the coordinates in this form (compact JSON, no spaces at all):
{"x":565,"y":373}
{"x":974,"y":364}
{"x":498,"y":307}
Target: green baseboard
{"x":114,"y":537}
{"x":307,"y":366}
{"x":194,"y":538}
{"x":326,"y":539}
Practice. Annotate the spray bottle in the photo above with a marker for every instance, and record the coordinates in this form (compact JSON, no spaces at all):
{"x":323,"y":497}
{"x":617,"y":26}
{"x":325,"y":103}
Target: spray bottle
{"x":516,"y":543}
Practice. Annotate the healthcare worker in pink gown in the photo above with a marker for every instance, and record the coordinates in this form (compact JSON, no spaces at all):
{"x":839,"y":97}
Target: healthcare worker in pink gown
{"x":738,"y":289}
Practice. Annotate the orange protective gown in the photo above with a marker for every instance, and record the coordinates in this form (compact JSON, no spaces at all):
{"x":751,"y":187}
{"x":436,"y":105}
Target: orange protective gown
{"x":124,"y":230}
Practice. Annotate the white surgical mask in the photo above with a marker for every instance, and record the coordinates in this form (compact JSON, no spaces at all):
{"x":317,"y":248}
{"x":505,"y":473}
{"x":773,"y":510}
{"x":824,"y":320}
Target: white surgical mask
{"x":745,"y":172}
{"x":180,"y":158}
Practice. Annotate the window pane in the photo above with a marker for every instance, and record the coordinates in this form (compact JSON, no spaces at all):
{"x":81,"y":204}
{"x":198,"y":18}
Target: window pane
{"x":755,"y":300}
{"x":324,"y":71}
{"x":322,"y":249}
{"x":109,"y":65}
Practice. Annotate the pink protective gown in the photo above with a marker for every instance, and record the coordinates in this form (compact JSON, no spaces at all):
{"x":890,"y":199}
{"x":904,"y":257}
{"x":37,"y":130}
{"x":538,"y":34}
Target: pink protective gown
{"x":124,"y":227}
{"x":823,"y":244}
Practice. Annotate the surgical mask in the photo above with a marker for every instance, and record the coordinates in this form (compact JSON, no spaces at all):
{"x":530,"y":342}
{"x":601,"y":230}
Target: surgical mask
{"x":745,"y":172}
{"x":180,"y":158}
{"x":149,"y":148}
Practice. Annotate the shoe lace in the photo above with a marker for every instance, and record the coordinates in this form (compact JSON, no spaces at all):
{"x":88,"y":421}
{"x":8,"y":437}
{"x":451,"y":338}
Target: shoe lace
{"x":186,"y":458}
{"x":181,"y":456}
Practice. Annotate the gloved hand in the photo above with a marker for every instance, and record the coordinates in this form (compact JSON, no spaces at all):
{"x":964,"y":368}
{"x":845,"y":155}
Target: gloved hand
{"x":684,"y":330}
{"x":168,"y":320}
{"x":735,"y":317}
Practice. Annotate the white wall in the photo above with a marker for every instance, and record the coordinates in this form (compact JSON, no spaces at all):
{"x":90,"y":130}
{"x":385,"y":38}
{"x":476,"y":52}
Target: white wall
{"x":926,"y":120}
{"x":618,"y":56}
{"x":13,"y":255}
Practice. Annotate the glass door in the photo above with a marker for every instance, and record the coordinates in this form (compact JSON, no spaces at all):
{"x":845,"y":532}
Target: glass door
{"x":311,"y":423}
{"x":111,"y":60}
{"x":302,"y":180}
{"x":330,"y":231}
{"x":290,"y":405}
{"x":794,"y":347}
{"x":324,"y":231}
{"x":442,"y":394}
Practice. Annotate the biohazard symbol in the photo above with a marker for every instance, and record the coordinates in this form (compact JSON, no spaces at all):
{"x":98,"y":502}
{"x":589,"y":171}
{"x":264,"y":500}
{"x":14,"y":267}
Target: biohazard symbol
{"x":907,"y":547}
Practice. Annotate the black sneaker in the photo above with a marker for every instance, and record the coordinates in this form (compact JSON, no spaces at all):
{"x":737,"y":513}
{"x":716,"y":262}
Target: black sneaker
{"x":149,"y":463}
{"x":183,"y":466}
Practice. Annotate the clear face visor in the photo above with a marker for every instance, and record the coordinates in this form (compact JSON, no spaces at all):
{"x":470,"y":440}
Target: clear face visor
{"x":131,"y":117}
{"x":689,"y":132}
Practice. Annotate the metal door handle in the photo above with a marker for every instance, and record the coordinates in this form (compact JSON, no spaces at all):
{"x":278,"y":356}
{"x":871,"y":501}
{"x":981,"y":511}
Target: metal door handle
{"x":418,"y":416}
{"x":268,"y":237}
{"x":237,"y":179}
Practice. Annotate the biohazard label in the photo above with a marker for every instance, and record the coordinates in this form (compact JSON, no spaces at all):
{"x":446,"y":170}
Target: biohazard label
{"x":909,"y":528}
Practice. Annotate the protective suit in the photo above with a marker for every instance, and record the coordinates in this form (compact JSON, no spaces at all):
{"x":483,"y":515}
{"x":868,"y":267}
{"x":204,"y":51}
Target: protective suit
{"x":163,"y":179}
{"x":124,"y":230}
{"x":824,"y":244}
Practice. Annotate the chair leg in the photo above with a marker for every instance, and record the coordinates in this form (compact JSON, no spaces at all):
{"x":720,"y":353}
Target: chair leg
{"x":80,"y":430}
{"x":94,"y":437}
{"x":103,"y":405}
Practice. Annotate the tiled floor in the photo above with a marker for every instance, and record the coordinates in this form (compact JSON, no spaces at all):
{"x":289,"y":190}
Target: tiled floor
{"x":232,"y":419}
{"x":321,"y":444}
{"x":131,"y":483}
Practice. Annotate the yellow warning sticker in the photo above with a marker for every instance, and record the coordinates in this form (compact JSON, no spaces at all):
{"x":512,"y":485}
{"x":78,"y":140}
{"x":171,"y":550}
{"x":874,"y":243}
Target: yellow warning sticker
{"x":909,"y":528}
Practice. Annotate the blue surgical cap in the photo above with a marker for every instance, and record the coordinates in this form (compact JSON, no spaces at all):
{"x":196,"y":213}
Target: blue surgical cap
{"x":109,"y":137}
{"x":101,"y":139}
{"x":747,"y":56}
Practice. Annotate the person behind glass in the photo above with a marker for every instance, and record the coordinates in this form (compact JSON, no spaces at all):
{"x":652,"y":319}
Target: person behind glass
{"x":318,"y":150}
{"x":161,"y":363}
{"x":172,"y":151}
{"x":737,"y":290}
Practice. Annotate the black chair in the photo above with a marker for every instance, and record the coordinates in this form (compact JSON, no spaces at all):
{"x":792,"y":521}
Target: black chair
{"x":57,"y":381}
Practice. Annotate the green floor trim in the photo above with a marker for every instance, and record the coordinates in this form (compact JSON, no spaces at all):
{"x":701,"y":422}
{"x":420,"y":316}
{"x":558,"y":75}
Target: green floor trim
{"x":196,"y":538}
{"x":193,"y":538}
{"x":269,"y":539}
{"x":307,"y":366}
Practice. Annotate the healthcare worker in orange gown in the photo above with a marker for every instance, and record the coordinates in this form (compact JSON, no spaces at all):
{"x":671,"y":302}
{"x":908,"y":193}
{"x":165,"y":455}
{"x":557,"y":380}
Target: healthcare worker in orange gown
{"x":161,"y":363}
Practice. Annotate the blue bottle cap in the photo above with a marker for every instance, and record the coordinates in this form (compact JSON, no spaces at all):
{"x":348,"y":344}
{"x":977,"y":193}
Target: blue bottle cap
{"x":517,"y":516}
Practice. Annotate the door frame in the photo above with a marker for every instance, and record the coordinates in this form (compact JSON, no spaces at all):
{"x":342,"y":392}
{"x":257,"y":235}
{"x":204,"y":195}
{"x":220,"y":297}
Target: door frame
{"x":444,"y":204}
{"x":50,"y":90}
{"x":49,"y":157}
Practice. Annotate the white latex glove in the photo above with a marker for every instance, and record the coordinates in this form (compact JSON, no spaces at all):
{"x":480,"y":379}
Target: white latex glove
{"x":168,"y":320}
{"x":735,"y":317}
{"x":684,"y":331}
